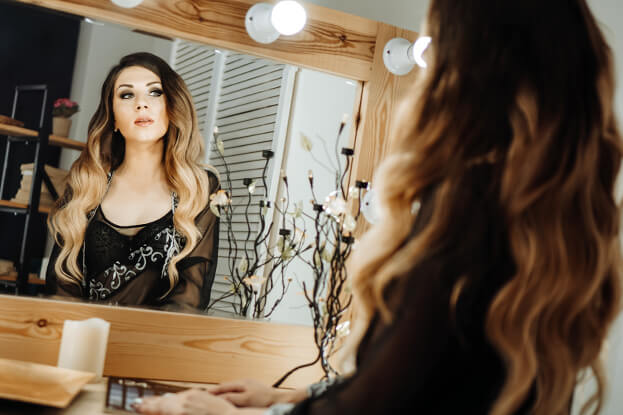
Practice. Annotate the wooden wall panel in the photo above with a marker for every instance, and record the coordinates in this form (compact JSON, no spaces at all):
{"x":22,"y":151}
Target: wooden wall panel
{"x":162,"y":345}
{"x":332,"y":41}
{"x":383,"y":94}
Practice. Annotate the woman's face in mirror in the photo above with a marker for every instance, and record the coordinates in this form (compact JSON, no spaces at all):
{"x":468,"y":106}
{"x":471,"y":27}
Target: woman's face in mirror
{"x":139,"y":105}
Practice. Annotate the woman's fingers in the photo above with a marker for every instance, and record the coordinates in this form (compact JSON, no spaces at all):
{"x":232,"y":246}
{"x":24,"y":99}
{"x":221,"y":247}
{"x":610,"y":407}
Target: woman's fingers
{"x":189,"y":402}
{"x":236,"y":386}
{"x":238,"y":399}
{"x":169,"y":403}
{"x":148,"y":406}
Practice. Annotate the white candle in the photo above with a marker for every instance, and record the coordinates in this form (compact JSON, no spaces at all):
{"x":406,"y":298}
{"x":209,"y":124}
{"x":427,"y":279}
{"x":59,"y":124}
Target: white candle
{"x":83,"y":345}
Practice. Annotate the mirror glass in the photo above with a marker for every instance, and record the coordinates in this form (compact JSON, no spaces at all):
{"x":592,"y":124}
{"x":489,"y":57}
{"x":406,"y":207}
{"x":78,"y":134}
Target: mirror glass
{"x":255,"y":105}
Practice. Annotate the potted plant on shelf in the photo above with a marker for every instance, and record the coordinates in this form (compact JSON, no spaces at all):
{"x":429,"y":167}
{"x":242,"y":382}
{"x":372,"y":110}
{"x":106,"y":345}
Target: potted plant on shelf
{"x":63,"y":109}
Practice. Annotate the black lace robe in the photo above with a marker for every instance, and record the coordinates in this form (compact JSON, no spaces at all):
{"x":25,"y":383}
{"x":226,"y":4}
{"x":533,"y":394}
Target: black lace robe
{"x":432,"y":359}
{"x":126,"y":265}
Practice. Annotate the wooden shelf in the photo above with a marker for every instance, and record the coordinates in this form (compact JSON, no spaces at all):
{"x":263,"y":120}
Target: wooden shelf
{"x":7,"y":203}
{"x":55,"y":140}
{"x":32,"y":278}
{"x":12,"y":130}
{"x":58,"y":141}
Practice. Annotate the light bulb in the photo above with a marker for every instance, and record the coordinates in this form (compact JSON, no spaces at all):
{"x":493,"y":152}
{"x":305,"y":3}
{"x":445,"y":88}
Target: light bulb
{"x":265,"y":22}
{"x":288,"y":17}
{"x":400,"y":55}
{"x":418,"y":48}
{"x":128,"y":4}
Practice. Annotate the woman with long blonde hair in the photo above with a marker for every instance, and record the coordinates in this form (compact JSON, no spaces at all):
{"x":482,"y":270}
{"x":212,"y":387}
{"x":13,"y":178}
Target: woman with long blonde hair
{"x":134,"y":226}
{"x":493,"y":279}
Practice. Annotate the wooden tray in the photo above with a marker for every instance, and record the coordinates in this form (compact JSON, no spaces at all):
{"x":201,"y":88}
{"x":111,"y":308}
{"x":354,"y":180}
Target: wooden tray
{"x":40,"y":384}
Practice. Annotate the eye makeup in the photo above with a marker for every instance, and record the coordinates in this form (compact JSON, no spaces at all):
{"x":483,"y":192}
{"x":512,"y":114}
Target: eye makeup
{"x":157,"y":92}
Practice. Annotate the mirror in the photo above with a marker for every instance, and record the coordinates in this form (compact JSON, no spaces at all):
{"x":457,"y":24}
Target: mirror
{"x":255,"y":103}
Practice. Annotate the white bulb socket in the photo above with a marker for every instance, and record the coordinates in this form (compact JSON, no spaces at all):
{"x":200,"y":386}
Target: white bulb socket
{"x":128,"y":4}
{"x":265,"y":22}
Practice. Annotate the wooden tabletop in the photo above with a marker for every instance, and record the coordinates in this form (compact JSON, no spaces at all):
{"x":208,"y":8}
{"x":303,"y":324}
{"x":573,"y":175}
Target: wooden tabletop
{"x":89,"y":401}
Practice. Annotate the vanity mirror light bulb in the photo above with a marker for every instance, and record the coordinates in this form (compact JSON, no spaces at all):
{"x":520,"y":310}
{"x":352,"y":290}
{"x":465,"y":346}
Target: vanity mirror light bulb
{"x":128,"y":4}
{"x":265,"y":22}
{"x":400,"y":55}
{"x":288,"y":17}
{"x":418,"y":48}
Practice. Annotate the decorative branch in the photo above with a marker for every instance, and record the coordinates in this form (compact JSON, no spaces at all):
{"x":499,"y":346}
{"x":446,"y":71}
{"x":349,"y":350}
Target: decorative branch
{"x":256,"y":269}
{"x":328,"y":295}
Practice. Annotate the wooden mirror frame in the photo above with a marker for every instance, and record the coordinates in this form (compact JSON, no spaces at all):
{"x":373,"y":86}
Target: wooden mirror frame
{"x":199,"y":348}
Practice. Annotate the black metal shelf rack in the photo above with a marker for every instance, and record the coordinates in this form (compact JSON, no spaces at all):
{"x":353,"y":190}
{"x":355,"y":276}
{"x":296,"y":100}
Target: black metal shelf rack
{"x":40,"y":138}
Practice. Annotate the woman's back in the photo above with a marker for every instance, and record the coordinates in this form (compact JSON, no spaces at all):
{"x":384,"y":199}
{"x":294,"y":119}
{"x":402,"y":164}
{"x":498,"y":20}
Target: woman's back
{"x":434,"y":355}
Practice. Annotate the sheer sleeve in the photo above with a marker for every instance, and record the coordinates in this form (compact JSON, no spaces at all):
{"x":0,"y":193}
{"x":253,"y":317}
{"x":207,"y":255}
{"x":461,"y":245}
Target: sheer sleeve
{"x":197,"y":270}
{"x":434,"y":356}
{"x":400,"y":361}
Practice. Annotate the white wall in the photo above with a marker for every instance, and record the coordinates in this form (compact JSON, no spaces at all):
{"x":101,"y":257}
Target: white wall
{"x":320,"y":100}
{"x":409,"y":13}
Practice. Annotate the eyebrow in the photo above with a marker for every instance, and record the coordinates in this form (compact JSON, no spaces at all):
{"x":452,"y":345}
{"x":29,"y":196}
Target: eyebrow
{"x":132,"y":86}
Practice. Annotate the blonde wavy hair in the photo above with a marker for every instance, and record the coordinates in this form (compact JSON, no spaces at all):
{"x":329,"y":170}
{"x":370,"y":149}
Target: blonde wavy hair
{"x":527,"y":85}
{"x":183,"y":150}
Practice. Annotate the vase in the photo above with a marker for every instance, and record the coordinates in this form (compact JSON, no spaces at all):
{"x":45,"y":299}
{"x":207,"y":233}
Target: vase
{"x":60,"y":126}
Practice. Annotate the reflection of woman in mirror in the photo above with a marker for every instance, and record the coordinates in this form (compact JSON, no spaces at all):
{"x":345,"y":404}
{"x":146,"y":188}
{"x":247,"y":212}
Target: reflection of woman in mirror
{"x":134,"y":227}
{"x":504,"y":286}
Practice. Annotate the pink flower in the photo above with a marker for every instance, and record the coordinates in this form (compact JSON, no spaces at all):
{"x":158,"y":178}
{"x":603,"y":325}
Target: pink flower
{"x":64,"y":102}
{"x":64,"y":107}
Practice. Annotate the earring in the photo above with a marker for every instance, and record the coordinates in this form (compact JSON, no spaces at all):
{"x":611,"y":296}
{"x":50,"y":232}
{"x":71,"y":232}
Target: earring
{"x":116,"y":130}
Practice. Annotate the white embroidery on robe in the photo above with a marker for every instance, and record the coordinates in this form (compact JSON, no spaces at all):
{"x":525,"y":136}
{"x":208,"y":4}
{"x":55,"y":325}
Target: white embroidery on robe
{"x":97,"y":291}
{"x":117,"y":273}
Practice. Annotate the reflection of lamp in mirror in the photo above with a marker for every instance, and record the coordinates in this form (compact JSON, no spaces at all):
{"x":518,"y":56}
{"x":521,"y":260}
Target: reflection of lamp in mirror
{"x":400,"y":55}
{"x":265,"y":22}
{"x":128,"y":4}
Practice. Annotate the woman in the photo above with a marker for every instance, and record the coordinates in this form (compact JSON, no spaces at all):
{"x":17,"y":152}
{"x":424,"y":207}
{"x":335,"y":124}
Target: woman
{"x":503,"y":289}
{"x":134,"y":227}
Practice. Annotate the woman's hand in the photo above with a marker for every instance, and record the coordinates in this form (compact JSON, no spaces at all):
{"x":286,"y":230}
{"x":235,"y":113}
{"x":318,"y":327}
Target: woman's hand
{"x":248,"y":393}
{"x":189,"y":402}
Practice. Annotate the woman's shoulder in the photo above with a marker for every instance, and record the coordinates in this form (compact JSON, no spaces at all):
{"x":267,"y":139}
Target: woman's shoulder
{"x":213,"y":177}
{"x":214,"y":186}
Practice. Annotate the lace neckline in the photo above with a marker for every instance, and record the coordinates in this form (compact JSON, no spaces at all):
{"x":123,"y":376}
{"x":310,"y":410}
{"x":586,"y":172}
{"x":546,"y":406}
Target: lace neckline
{"x":114,"y":225}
